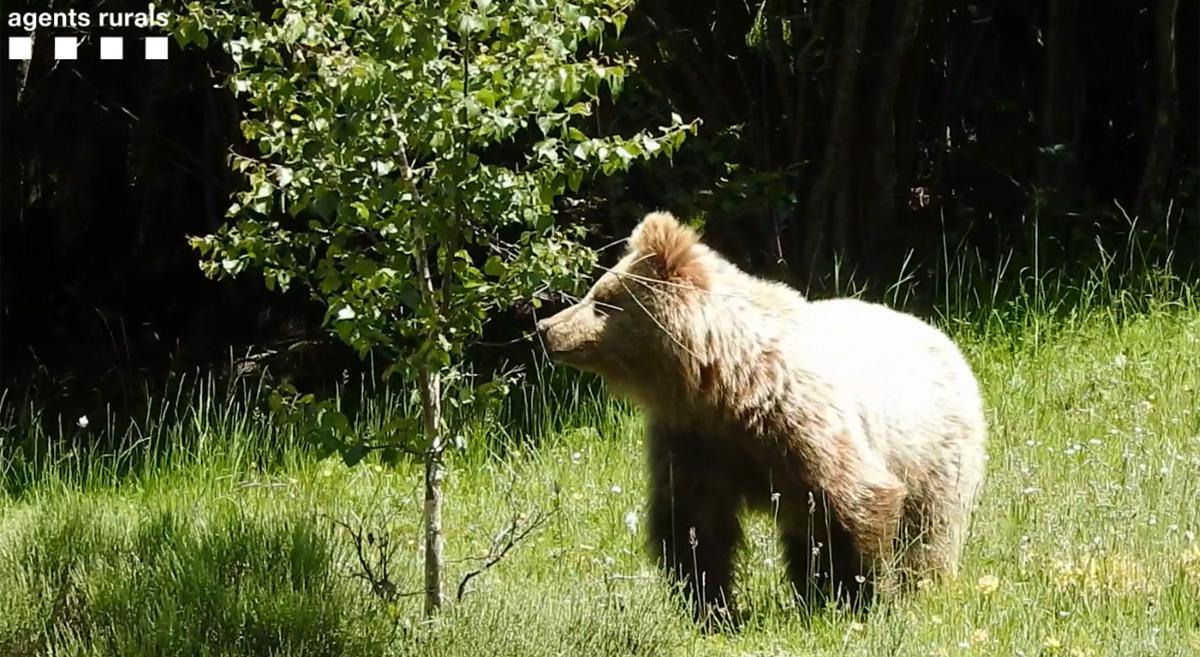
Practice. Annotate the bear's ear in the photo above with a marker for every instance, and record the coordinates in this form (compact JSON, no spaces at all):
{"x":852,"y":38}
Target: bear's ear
{"x":669,"y":248}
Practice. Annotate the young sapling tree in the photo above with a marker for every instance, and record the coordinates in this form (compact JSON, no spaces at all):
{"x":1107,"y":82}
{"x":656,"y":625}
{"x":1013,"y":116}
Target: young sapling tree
{"x":409,"y":156}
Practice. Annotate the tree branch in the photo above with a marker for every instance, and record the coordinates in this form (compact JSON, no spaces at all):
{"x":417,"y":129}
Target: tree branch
{"x":381,"y":583}
{"x":502,"y":543}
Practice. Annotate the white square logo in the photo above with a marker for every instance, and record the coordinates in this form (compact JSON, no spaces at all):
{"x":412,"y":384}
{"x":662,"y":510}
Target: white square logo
{"x":65,"y":47}
{"x":112,"y":48}
{"x":20,"y":47}
{"x":156,"y":47}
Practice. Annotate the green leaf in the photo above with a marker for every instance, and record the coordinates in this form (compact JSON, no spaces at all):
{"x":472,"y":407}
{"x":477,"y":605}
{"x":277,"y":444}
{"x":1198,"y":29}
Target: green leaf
{"x":389,"y":456}
{"x":470,"y":23}
{"x":400,"y":427}
{"x":494,"y":267}
{"x":354,"y":454}
{"x":486,"y":96}
{"x":294,"y":27}
{"x":361,"y":267}
{"x":336,"y":422}
{"x":330,"y":283}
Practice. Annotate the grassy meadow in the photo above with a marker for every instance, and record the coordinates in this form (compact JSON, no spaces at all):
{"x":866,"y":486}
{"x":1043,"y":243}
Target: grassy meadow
{"x":212,"y":531}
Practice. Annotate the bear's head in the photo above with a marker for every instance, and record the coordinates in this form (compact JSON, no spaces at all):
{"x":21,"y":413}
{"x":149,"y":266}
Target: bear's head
{"x":640,"y":320}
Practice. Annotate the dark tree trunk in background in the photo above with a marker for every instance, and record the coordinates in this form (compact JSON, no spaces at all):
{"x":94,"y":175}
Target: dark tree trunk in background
{"x":1166,"y":99}
{"x":882,"y":192}
{"x":774,"y":72}
{"x":828,"y":207}
{"x":1062,"y":100}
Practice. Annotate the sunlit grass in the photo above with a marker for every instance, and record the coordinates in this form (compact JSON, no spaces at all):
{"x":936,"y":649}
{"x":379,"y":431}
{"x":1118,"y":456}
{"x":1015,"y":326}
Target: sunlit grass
{"x":211,"y":530}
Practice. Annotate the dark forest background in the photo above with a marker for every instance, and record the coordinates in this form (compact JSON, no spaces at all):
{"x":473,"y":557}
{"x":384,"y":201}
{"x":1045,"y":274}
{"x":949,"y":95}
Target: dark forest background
{"x":857,"y":138}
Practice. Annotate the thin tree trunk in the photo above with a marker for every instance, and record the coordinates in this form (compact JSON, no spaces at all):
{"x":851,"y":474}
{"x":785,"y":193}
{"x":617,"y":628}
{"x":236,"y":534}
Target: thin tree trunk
{"x":430,"y":382}
{"x":881,"y":208}
{"x":1158,"y":156}
{"x":801,"y":75}
{"x":1062,"y":97}
{"x":821,"y":27}
{"x":776,"y":70}
{"x":800,"y":124}
{"x":837,"y":145}
{"x":943,"y":135}
{"x":435,"y":473}
{"x":23,"y":69}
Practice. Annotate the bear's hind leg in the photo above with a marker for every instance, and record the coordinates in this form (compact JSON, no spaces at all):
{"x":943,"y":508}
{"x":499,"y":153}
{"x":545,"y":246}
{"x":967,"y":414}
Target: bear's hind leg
{"x":863,"y":496}
{"x":823,"y":563}
{"x":931,"y":542}
{"x":694,"y":529}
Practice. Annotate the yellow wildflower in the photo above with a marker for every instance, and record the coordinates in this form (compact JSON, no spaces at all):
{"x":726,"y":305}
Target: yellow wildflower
{"x":988,"y":584}
{"x":1115,"y":574}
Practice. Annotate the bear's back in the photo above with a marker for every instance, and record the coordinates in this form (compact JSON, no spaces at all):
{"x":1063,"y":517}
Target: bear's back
{"x":909,"y":384}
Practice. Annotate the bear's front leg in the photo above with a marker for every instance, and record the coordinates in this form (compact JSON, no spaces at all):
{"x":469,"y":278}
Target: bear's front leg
{"x":693,"y":523}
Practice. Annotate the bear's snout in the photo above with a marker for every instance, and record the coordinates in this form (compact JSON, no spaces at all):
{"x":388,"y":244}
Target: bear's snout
{"x":543,"y":332}
{"x":567,"y":334}
{"x":550,"y":338}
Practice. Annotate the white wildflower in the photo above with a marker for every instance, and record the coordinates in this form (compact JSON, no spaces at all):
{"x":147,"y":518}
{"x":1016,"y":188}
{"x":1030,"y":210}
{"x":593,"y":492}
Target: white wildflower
{"x":631,"y":522}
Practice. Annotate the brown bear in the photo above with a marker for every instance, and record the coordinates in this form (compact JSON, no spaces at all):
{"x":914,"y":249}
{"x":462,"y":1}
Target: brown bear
{"x":860,"y":428}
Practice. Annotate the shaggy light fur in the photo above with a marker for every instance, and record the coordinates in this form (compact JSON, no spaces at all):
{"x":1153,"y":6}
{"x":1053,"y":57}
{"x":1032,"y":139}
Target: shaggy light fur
{"x":860,"y":428}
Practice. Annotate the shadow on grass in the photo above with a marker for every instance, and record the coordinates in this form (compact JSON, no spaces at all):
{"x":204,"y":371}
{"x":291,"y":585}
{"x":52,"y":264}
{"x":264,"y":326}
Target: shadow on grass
{"x":94,"y":576}
{"x":112,"y":580}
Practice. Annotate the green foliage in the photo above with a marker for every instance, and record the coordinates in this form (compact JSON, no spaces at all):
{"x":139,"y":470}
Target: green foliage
{"x":410,"y":156}
{"x":326,"y":425}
